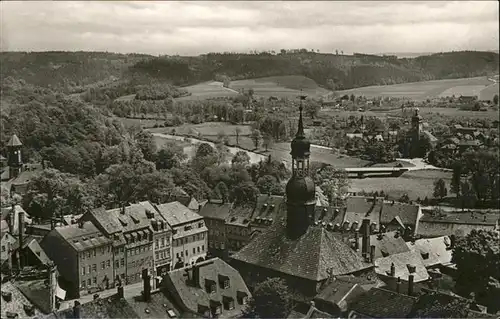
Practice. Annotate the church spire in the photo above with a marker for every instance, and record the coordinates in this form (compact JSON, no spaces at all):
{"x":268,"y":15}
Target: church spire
{"x":300,"y":130}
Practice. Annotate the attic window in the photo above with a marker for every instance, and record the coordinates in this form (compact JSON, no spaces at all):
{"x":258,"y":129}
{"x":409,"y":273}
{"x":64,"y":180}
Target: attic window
{"x":384,"y":253}
{"x":29,"y":309}
{"x":122,"y":221}
{"x":7,"y":295}
{"x":210,"y":286}
{"x":233,"y":219}
{"x":134,"y":219}
{"x":228,"y":302}
{"x":425,"y":255}
{"x":200,"y":224}
{"x":11,"y":315}
{"x":186,"y":228}
{"x":242,"y":297}
{"x":224,"y":281}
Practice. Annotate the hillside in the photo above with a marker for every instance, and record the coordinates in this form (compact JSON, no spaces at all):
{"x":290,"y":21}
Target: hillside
{"x":75,"y":71}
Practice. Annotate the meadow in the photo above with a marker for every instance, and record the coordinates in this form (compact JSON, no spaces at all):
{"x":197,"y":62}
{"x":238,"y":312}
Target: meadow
{"x":423,"y":90}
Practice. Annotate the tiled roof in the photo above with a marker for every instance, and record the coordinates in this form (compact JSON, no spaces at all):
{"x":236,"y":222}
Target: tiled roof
{"x":268,"y":206}
{"x":37,"y":292}
{"x":379,"y":210}
{"x":340,"y":293}
{"x":328,"y":215}
{"x":386,"y":244}
{"x":439,"y":305}
{"x":88,"y":236}
{"x":401,"y":262}
{"x":310,"y":256}
{"x":192,"y":297}
{"x":17,"y":303}
{"x":381,"y":303}
{"x":175,"y":213}
{"x":5,"y":216}
{"x":215,"y":210}
{"x":436,"y":248}
{"x":14,"y":141}
{"x":32,"y":244}
{"x":157,"y":307}
{"x":110,"y":307}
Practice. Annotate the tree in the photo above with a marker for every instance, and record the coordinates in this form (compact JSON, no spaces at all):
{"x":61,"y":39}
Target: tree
{"x":256,"y":137}
{"x":241,"y":158}
{"x":477,"y":257}
{"x":312,"y":108}
{"x":440,"y":190}
{"x":269,"y":185}
{"x":334,"y":182}
{"x":270,"y":299}
{"x":456,"y":179}
{"x":171,"y":155}
{"x":221,"y":191}
{"x":244,"y":193}
{"x":237,"y":130}
{"x":222,"y":137}
{"x":146,"y":144}
{"x":267,"y":141}
{"x":495,"y":99}
{"x":405,"y":198}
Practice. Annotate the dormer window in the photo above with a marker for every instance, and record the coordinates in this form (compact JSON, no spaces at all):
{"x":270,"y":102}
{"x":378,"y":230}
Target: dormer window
{"x":242,"y":297}
{"x":210,"y":286}
{"x":228,"y":302}
{"x":224,"y":281}
{"x":186,"y":228}
{"x":384,"y":253}
{"x":200,"y":224}
{"x":425,"y":255}
{"x":135,"y":219}
{"x":11,"y":315}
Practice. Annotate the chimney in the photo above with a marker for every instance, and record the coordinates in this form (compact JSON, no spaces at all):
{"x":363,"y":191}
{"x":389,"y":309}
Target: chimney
{"x":398,"y":285}
{"x":11,"y":220}
{"x":52,"y":286}
{"x":21,"y":239}
{"x":365,"y":226}
{"x":196,"y":275}
{"x":356,"y":240}
{"x":410,"y":284}
{"x":80,"y":224}
{"x":76,"y":310}
{"x":146,"y":279}
{"x":119,"y":291}
{"x":122,"y":210}
{"x":393,"y":270}
{"x":372,"y":253}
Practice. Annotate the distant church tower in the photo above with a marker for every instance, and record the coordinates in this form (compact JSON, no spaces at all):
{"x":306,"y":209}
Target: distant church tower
{"x":300,"y":189}
{"x":14,"y":159}
{"x":416,"y":124}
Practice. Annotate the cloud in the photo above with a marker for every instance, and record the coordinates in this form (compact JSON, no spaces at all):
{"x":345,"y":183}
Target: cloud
{"x":203,"y":26}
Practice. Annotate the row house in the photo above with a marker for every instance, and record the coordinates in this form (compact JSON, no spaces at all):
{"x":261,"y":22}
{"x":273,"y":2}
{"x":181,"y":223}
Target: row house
{"x":189,"y":233}
{"x":83,"y":256}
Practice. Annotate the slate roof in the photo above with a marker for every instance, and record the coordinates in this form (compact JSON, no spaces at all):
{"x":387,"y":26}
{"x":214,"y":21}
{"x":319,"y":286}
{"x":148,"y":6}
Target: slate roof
{"x":175,"y":213}
{"x":309,"y":256}
{"x":385,"y":245}
{"x":32,"y":244}
{"x":192,"y":297}
{"x":268,"y":206}
{"x":37,"y":292}
{"x":435,"y":247}
{"x":157,"y":307}
{"x":379,"y":211}
{"x":216,"y":210}
{"x":82,"y":238}
{"x":383,"y":266}
{"x":382,"y":303}
{"x":109,"y":307}
{"x":14,"y":141}
{"x":328,"y":215}
{"x":17,"y":303}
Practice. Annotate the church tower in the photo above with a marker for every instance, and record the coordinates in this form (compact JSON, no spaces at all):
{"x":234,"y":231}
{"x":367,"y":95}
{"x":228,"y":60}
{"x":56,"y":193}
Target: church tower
{"x":416,"y":124}
{"x":14,"y":159}
{"x":300,"y":189}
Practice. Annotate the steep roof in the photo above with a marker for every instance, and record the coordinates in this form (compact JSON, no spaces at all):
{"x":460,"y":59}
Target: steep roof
{"x":17,"y":303}
{"x":6,"y":211}
{"x":438,"y":305}
{"x":340,"y":293}
{"x":37,"y":292}
{"x":381,"y":303}
{"x":310,"y":256}
{"x":401,"y":262}
{"x":14,"y":141}
{"x":110,"y":307}
{"x":82,"y":238}
{"x":211,"y":270}
{"x":216,"y":210}
{"x":268,"y":206}
{"x":437,"y":249}
{"x":175,"y":213}
{"x":386,"y":244}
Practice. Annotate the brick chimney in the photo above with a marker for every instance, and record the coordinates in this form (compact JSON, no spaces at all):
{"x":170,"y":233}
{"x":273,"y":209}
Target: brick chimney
{"x":12,"y":218}
{"x":398,"y":285}
{"x":393,"y":270}
{"x":365,"y":226}
{"x":21,"y":239}
{"x":356,"y":240}
{"x":146,"y":279}
{"x":76,"y":310}
{"x":372,"y":253}
{"x":410,"y":284}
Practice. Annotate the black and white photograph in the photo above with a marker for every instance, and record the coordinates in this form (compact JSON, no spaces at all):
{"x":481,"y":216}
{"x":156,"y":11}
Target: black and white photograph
{"x":249,"y":159}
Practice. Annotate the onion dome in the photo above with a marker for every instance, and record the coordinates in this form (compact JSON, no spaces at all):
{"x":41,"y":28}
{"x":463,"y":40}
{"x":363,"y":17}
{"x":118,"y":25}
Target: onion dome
{"x":301,"y":190}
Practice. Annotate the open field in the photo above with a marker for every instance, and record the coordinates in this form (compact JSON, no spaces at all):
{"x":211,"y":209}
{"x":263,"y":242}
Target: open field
{"x":280,"y":86}
{"x":207,"y":129}
{"x":415,"y":183}
{"x":423,"y":90}
{"x":129,"y":97}
{"x":206,"y":90}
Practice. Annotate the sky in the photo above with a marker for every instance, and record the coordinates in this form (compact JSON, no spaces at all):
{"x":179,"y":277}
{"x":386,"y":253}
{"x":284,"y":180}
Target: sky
{"x":191,"y":28}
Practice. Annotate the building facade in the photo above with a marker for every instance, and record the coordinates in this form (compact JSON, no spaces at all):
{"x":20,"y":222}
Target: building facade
{"x":189,"y":233}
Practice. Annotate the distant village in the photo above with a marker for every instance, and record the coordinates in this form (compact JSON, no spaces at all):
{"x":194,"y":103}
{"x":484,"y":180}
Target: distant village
{"x":364,"y":256}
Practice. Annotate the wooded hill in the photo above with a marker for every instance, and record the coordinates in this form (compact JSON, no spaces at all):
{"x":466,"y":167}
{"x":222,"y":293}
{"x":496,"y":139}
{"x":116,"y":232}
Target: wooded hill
{"x":75,"y":71}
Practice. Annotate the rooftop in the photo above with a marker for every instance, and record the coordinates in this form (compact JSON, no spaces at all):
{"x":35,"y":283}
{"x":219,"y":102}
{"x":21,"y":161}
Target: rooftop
{"x":17,"y":303}
{"x":382,"y":303}
{"x":479,"y":218}
{"x":386,"y":244}
{"x":84,"y":237}
{"x":401,"y":263}
{"x":176,"y":214}
{"x":434,"y":251}
{"x":37,"y":292}
{"x":313,"y":256}
{"x":216,"y":210}
{"x":193,"y":293}
{"x":14,"y":141}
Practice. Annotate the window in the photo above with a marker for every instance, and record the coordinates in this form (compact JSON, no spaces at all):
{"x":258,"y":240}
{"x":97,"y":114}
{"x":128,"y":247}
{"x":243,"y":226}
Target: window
{"x":194,"y":250}
{"x":137,"y":251}
{"x":89,"y":269}
{"x":182,"y":254}
{"x":162,"y":241}
{"x":102,"y":265}
{"x":108,"y":263}
{"x":156,"y":255}
{"x":94,"y":280}
{"x":117,"y":264}
{"x":202,"y":247}
{"x":133,"y":264}
{"x":89,"y":282}
{"x":123,"y":262}
{"x":82,"y":256}
{"x":83,"y":283}
{"x":89,"y":254}
{"x":94,"y":267}
{"x":226,"y":284}
{"x":186,"y":253}
{"x":157,"y":243}
{"x":200,"y":224}
{"x":95,"y":252}
{"x":83,"y":270}
{"x":198,"y":248}
{"x":121,"y":250}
